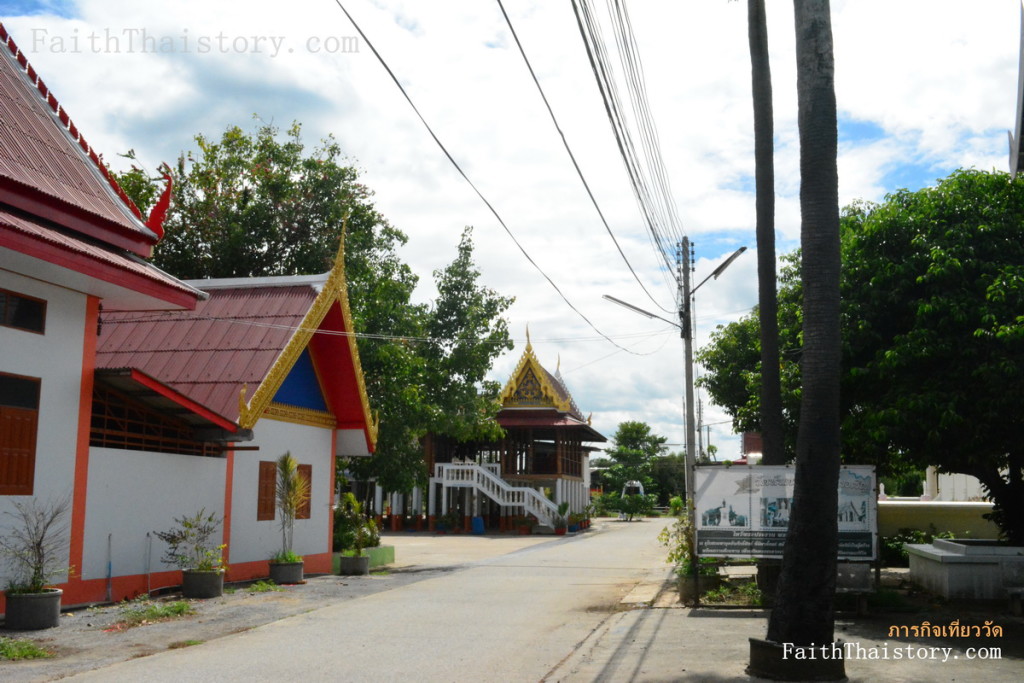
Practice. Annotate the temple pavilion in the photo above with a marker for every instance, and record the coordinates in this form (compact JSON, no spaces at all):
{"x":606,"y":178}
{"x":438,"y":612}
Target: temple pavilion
{"x":542,"y":461}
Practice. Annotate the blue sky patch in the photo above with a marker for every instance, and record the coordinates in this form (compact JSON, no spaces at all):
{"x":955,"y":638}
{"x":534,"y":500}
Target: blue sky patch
{"x":28,"y":8}
{"x":852,"y":130}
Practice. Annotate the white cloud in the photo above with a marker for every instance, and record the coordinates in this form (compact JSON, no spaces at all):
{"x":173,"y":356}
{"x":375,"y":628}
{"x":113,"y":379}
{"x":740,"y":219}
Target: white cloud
{"x":936,"y":79}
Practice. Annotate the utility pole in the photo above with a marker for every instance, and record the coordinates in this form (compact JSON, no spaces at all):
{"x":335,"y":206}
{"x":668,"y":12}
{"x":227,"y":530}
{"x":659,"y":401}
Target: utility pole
{"x":686,"y":332}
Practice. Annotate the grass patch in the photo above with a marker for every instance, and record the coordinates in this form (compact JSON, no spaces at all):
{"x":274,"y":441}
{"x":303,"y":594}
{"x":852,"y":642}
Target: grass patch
{"x":14,"y":649}
{"x":747,"y":594}
{"x":138,"y":613}
{"x":230,"y":591}
{"x":380,"y":572}
{"x":264,"y":587}
{"x":184,"y":643}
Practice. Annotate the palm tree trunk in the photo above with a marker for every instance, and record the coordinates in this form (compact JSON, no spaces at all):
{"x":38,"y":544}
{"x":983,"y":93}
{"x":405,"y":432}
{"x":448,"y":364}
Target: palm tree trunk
{"x":804,"y":611}
{"x":764,"y":177}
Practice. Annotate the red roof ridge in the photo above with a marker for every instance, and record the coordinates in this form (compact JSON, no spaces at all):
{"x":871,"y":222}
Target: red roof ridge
{"x":62,"y":115}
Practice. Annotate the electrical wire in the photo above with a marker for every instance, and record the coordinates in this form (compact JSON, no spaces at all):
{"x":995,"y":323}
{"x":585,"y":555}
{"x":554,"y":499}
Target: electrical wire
{"x":572,"y":157}
{"x":647,"y":174}
{"x":171,"y":316}
{"x":458,"y":168}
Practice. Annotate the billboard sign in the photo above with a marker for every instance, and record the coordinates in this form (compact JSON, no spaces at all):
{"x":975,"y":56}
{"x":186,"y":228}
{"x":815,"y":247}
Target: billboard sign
{"x":743,"y":511}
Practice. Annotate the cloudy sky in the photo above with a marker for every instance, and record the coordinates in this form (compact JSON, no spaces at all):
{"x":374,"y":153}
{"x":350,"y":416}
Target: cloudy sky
{"x":923,"y":87}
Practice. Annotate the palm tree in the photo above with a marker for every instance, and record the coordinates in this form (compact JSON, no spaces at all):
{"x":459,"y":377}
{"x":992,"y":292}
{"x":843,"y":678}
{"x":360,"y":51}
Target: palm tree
{"x":804,"y":612}
{"x":764,"y":178}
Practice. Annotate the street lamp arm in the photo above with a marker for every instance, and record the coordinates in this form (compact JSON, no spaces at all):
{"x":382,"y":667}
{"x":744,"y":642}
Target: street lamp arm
{"x":718,"y":271}
{"x":639,"y":310}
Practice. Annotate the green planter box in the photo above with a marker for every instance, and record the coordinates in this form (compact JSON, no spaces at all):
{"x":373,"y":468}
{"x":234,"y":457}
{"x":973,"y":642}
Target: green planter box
{"x":380,"y":556}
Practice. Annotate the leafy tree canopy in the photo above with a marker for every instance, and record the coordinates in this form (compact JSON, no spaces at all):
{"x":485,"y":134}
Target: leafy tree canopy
{"x":633,"y":454}
{"x":258,"y":204}
{"x":933,"y":335}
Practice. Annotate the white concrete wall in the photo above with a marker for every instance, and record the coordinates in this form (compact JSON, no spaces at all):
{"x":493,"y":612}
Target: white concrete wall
{"x":132,"y":493}
{"x":952,"y":487}
{"x":252,"y":541}
{"x":56,"y":358}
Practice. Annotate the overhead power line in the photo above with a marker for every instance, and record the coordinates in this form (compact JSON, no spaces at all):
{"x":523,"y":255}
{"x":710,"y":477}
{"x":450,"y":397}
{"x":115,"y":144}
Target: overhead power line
{"x":645,"y":168}
{"x":572,"y":157}
{"x":465,"y":177}
{"x":171,"y":316}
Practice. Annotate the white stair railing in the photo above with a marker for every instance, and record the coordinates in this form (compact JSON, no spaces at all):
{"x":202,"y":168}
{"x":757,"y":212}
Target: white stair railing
{"x":485,"y":479}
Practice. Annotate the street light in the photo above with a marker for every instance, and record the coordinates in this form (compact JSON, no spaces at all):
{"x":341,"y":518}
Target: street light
{"x":686,"y":332}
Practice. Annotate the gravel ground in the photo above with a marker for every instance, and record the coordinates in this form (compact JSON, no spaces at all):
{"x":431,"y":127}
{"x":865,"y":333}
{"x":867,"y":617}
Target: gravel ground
{"x":90,"y":638}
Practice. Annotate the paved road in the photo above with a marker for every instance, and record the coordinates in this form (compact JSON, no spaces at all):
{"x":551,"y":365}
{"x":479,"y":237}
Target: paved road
{"x":515,"y":616}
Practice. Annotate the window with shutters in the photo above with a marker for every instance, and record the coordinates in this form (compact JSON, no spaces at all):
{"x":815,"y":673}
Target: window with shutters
{"x":22,"y":312}
{"x":19,"y":421}
{"x":265,"y":498}
{"x":306,"y":472}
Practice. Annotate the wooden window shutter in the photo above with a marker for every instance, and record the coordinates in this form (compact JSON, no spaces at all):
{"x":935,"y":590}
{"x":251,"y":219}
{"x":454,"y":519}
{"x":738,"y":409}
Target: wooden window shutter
{"x":306,"y":472}
{"x":18,"y":427}
{"x":266,"y":495}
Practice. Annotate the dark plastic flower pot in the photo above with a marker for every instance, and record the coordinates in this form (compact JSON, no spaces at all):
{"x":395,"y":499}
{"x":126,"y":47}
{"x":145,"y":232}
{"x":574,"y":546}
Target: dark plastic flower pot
{"x":354,"y":566}
{"x":286,"y":572}
{"x":33,"y":611}
{"x":202,"y":584}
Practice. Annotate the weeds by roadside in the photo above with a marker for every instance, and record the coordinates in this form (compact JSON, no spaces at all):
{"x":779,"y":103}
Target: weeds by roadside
{"x":14,"y":649}
{"x":264,"y":587}
{"x":141,"y":612}
{"x":177,"y":645}
{"x":744,"y":594}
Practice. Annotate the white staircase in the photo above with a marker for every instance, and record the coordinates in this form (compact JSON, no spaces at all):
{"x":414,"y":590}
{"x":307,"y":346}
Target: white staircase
{"x":485,"y":479}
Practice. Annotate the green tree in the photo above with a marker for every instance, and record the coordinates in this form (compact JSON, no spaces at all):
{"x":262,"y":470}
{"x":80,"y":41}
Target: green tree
{"x":932,"y":337}
{"x":668,"y":476}
{"x":258,"y":204}
{"x":467,"y":332}
{"x":634,"y":451}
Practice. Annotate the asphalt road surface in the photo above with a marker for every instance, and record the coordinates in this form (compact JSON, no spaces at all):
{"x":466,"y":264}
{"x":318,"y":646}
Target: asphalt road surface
{"x":510,"y":617}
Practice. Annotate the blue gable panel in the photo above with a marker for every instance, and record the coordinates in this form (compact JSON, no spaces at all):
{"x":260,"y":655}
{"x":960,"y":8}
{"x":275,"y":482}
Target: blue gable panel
{"x":301,"y":388}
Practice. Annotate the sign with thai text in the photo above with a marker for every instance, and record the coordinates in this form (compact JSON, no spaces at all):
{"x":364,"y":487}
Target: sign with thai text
{"x":743,"y":511}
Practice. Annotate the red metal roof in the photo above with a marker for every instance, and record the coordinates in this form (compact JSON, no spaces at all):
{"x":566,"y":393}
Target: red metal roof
{"x":208,"y":354}
{"x":28,"y":235}
{"x":547,"y":418}
{"x":49,"y":170}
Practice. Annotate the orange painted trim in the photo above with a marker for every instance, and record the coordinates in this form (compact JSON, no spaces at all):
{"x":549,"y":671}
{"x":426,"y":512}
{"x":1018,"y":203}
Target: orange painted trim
{"x":81,"y":477}
{"x":331,"y":477}
{"x":229,"y":489}
{"x":260,"y":569}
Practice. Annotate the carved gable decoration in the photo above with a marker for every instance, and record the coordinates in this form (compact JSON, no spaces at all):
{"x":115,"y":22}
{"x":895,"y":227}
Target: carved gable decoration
{"x":531,"y":386}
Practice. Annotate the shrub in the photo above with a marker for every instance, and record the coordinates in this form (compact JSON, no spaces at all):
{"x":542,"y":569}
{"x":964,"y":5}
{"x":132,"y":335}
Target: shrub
{"x":891,"y":547}
{"x":351,"y":528}
{"x":189,"y":546}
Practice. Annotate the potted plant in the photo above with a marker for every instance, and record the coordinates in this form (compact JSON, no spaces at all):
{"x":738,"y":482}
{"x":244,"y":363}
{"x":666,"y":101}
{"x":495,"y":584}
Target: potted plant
{"x":33,"y":548}
{"x":446,"y":523}
{"x":358,"y":564}
{"x":525,"y":524}
{"x":560,"y":521}
{"x":292,"y":494}
{"x":189,"y":547}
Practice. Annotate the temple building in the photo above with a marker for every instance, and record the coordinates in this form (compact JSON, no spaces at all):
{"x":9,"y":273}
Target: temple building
{"x":542,"y":461}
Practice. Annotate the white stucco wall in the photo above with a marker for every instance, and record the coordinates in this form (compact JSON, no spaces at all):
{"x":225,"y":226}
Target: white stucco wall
{"x":54,"y":357}
{"x":254,"y":541}
{"x":132,"y":493}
